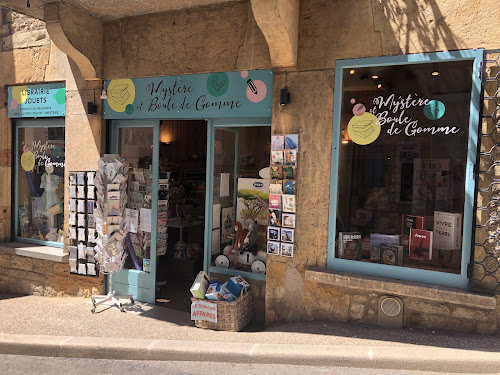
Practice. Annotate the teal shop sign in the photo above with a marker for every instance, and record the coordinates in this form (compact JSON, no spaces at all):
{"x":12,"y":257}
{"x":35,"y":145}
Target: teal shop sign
{"x":47,"y":100}
{"x":212,"y":95}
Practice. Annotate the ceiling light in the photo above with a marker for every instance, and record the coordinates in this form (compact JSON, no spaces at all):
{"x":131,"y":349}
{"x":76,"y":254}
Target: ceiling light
{"x":374,"y":76}
{"x":379,"y":85}
{"x":435,"y":73}
{"x":351,"y":71}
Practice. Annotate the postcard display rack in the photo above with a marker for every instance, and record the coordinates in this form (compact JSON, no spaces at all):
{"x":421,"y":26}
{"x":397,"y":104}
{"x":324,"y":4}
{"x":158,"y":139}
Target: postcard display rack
{"x":111,"y":184}
{"x":81,"y":230}
{"x":282,"y":201}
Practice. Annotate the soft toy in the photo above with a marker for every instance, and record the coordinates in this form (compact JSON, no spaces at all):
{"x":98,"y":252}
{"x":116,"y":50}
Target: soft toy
{"x":250,"y":241}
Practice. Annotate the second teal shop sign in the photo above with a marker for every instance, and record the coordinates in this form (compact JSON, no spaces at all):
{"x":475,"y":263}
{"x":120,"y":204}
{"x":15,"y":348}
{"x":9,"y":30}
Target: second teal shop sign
{"x":212,"y":95}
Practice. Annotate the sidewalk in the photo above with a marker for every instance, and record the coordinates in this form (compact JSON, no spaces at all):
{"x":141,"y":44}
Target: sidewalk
{"x":65,"y":327}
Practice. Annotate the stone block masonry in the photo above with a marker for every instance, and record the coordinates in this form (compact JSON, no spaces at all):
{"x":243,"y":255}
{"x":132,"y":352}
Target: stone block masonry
{"x":25,"y":275}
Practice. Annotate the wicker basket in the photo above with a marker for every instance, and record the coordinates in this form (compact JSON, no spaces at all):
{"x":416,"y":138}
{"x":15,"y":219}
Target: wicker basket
{"x":231,"y":316}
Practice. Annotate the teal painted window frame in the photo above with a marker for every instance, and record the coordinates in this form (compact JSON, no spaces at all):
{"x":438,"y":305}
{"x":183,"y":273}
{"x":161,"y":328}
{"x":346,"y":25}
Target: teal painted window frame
{"x":23,"y":124}
{"x":232,"y":125}
{"x":403,"y":273}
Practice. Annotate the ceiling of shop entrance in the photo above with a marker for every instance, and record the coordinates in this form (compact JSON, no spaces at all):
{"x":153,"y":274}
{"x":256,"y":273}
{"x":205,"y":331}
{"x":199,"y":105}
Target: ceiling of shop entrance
{"x":111,"y":9}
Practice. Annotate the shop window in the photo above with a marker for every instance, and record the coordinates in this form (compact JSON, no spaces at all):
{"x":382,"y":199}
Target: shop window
{"x":406,"y":145}
{"x":40,"y":155}
{"x":240,"y":200}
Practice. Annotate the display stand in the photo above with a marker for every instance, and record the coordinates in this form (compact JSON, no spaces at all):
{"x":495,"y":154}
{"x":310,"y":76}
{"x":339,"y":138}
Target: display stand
{"x":110,"y":297}
{"x":81,"y":226}
{"x":112,"y":229}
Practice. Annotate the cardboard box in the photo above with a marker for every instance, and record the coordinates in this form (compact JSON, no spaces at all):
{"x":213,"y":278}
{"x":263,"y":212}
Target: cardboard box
{"x":215,"y":292}
{"x":236,"y":284}
{"x":200,"y":285}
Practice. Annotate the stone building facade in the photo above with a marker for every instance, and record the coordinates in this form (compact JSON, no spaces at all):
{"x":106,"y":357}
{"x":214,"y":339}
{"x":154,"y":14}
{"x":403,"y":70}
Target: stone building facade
{"x":233,"y":36}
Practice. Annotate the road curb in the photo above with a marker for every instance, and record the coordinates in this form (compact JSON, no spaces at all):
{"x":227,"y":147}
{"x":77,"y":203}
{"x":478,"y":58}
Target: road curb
{"x":409,"y":357}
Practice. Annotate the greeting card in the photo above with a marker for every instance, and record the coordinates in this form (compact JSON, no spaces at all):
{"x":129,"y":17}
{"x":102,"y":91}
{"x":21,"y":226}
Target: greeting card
{"x":287,"y":249}
{"x":288,"y":220}
{"x":276,"y":187}
{"x":288,"y":172}
{"x":277,"y":142}
{"x":274,"y":217}
{"x":288,"y":203}
{"x":291,"y":141}
{"x":290,"y":157}
{"x":287,"y":235}
{"x":273,"y":247}
{"x":275,"y":201}
{"x":276,"y":157}
{"x":289,"y":187}
{"x":273,"y":233}
{"x":276,"y":172}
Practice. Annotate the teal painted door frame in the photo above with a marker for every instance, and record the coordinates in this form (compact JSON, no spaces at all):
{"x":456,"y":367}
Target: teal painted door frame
{"x":432,"y":277}
{"x":140,"y":284}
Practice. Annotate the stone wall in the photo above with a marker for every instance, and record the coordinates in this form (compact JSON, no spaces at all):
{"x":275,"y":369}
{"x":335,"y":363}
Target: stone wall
{"x":352,"y":298}
{"x":24,"y":53}
{"x":27,"y":55}
{"x":25,"y":275}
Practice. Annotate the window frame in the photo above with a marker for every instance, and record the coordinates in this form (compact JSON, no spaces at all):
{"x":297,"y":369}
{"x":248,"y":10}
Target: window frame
{"x":405,"y":273}
{"x":23,"y":124}
{"x":234,"y":125}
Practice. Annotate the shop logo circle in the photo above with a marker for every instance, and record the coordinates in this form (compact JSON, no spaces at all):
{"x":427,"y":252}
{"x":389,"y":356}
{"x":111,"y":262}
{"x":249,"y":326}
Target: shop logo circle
{"x":217,"y":84}
{"x":364,"y":129}
{"x":121,"y":93}
{"x":434,"y":110}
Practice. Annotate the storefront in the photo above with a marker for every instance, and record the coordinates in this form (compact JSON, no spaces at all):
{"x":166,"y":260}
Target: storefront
{"x":395,"y":138}
{"x":403,"y":161}
{"x":39,"y":151}
{"x":192,"y":142}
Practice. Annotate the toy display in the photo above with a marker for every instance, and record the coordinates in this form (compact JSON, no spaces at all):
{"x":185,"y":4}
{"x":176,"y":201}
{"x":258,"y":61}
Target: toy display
{"x":244,"y":251}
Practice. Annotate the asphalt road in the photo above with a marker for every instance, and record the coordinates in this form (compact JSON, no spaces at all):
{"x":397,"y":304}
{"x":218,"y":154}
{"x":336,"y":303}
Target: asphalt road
{"x":22,"y":365}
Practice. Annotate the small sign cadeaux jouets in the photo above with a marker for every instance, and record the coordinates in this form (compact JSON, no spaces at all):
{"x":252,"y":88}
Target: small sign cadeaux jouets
{"x":203,"y":310}
{"x":350,"y":245}
{"x":447,"y":230}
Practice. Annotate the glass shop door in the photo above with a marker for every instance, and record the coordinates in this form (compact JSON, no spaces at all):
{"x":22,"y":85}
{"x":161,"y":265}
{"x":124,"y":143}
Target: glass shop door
{"x":138,"y":142}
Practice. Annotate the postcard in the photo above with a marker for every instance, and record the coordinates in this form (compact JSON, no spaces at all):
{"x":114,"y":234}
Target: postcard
{"x":287,"y":235}
{"x":277,"y":142}
{"x":273,"y":247}
{"x":274,"y":217}
{"x":276,"y":157}
{"x":275,"y":201}
{"x":288,"y":202}
{"x":273,"y":233}
{"x":288,"y":220}
{"x":289,"y":187}
{"x":288,"y":172}
{"x":287,"y":249}
{"x":276,"y":187}
{"x":291,"y":141}
{"x":290,"y":157}
{"x":276,"y":172}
